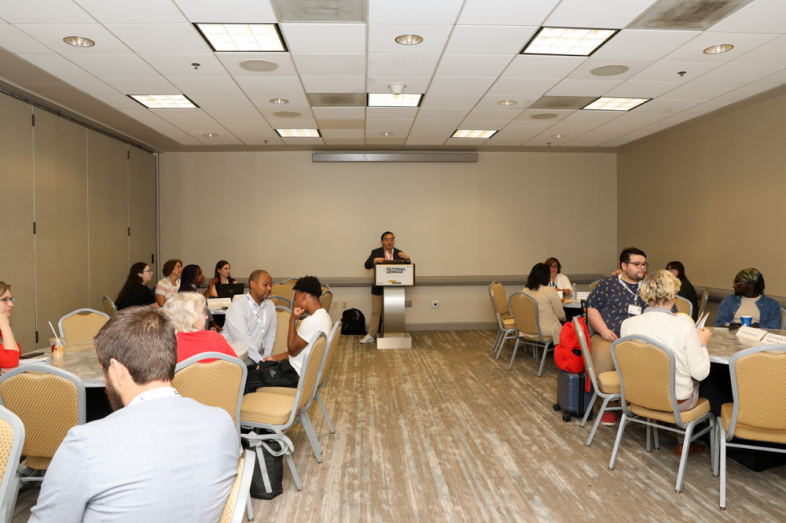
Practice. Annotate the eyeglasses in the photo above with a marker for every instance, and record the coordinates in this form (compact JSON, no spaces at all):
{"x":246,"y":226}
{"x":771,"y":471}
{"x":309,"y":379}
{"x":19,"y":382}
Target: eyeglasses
{"x":8,"y":300}
{"x":639,"y":264}
{"x":150,"y":271}
{"x":553,"y":266}
{"x":735,"y":283}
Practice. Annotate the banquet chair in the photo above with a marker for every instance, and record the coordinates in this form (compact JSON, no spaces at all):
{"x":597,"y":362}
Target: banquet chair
{"x":282,"y":330}
{"x":239,"y":496}
{"x":526,"y":319}
{"x":109,"y":306}
{"x":81,"y":325}
{"x":283,"y":289}
{"x":326,"y":300}
{"x":606,"y":385}
{"x":49,"y":401}
{"x":684,"y":306}
{"x":502,"y":312}
{"x":704,"y":297}
{"x":758,"y":412}
{"x":646,"y":371}
{"x":12,"y":438}
{"x":276,"y":413}
{"x":593,"y":285}
{"x":280,"y":301}
{"x":783,"y":318}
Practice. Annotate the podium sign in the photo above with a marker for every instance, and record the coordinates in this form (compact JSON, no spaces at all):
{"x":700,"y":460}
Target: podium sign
{"x":394,"y":275}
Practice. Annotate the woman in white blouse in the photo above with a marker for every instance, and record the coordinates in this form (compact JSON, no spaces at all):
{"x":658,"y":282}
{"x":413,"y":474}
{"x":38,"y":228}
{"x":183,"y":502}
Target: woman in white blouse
{"x":557,"y":280}
{"x":168,"y":287}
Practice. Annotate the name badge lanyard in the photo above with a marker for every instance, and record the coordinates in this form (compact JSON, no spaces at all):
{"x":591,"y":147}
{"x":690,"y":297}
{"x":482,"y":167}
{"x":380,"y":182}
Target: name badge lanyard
{"x":261,"y":322}
{"x":635,"y":296}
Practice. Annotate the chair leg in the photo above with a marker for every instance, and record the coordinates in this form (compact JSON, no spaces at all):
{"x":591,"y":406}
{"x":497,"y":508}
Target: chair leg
{"x":684,"y":458}
{"x":312,"y":435}
{"x":597,"y":420}
{"x":325,"y":414}
{"x":722,"y":433}
{"x":649,"y":435}
{"x":588,"y":409}
{"x":543,"y":361}
{"x":515,"y":349}
{"x":617,"y":441}
{"x":655,"y":434}
{"x":293,"y":470}
{"x":716,"y":450}
{"x":249,"y":509}
{"x":496,"y":342}
{"x":502,"y":345}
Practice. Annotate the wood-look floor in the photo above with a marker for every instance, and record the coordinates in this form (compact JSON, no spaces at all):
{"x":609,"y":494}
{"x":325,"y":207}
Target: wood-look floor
{"x":443,"y":432}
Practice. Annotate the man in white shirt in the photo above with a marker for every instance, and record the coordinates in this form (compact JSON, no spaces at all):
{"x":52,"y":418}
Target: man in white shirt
{"x":159,"y":457}
{"x":252,"y":319}
{"x":284,"y":369}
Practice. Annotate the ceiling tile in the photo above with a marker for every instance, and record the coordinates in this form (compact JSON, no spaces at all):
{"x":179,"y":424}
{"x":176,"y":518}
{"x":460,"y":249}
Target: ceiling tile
{"x":229,"y":11}
{"x":292,"y":123}
{"x":506,"y":115}
{"x":761,"y":16}
{"x":392,"y":64}
{"x":385,"y":141}
{"x":260,"y":139}
{"x":343,"y":141}
{"x":531,"y":66}
{"x":256,"y":124}
{"x":382,"y":38}
{"x":193,"y":85}
{"x":113,"y":65}
{"x":593,"y":116}
{"x":340,"y":113}
{"x":413,"y":12}
{"x":506,"y":12}
{"x":57,"y":65}
{"x":262,"y":100}
{"x":305,"y":114}
{"x":343,"y":133}
{"x":530,"y":115}
{"x":642,"y":117}
{"x":186,"y":118}
{"x":497,"y":40}
{"x":483,"y":125}
{"x":572,"y":129}
{"x":709,"y":106}
{"x":19,"y":42}
{"x":414,"y":84}
{"x":269,"y":84}
{"x":523,"y":86}
{"x":774,"y":51}
{"x":325,"y":38}
{"x":181,"y":64}
{"x":741,"y":72}
{"x":239,"y":102}
{"x":425,"y":141}
{"x":339,"y":64}
{"x":746,"y":91}
{"x":545,"y":140}
{"x":459,"y":85}
{"x":615,"y":14}
{"x":161,"y":38}
{"x":667,"y":71}
{"x":233,"y":114}
{"x":618,"y":128}
{"x":644,"y":44}
{"x":182,"y":138}
{"x":584,"y":71}
{"x":395,"y":125}
{"x":491,"y":101}
{"x":342,"y":123}
{"x":742,"y":42}
{"x":142,"y":85}
{"x":529,"y":126}
{"x":442,"y":114}
{"x":443,"y":134}
{"x":583,"y":87}
{"x":450,"y":101}
{"x":777,"y":78}
{"x":475,"y":64}
{"x":144,"y":115}
{"x":51,"y":35}
{"x":133,"y":12}
{"x":224,"y":137}
{"x":466,"y":142}
{"x":334,"y":84}
{"x":699,"y":91}
{"x":90,"y":85}
{"x":666,"y":106}
{"x":436,"y":125}
{"x":119,"y":101}
{"x":231,"y":61}
{"x":391,"y":112}
{"x":634,"y":89}
{"x":45,"y":12}
{"x":303,"y":141}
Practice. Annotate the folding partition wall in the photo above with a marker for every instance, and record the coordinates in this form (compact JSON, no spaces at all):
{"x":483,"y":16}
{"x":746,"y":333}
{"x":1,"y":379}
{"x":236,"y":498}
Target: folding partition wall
{"x":78,"y":208}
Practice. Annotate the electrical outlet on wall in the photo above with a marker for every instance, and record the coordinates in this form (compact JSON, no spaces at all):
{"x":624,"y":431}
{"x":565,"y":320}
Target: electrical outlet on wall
{"x":344,"y":305}
{"x":435,"y":305}
{"x":335,"y":305}
{"x":408,"y":303}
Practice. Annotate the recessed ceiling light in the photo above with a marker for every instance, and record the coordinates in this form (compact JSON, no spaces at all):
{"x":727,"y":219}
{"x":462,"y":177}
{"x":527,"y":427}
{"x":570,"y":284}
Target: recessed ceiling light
{"x":210,"y":135}
{"x":717,"y":49}
{"x":242,"y":37}
{"x":258,"y":66}
{"x":616,"y":104}
{"x":79,"y":41}
{"x":298,"y":133}
{"x":394,"y":100}
{"x":507,"y":102}
{"x":409,"y":39}
{"x":609,"y":70}
{"x":466,"y":133}
{"x":567,"y":41}
{"x":543,"y":116}
{"x":558,"y":135}
{"x":386,"y":134}
{"x":287,"y":114}
{"x":279,"y":101}
{"x":164,"y":101}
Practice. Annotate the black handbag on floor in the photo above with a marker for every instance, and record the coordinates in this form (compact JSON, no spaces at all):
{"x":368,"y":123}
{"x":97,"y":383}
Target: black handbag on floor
{"x":353,"y":322}
{"x":267,"y":482}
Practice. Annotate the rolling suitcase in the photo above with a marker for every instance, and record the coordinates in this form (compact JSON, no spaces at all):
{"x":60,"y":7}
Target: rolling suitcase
{"x":572,"y":398}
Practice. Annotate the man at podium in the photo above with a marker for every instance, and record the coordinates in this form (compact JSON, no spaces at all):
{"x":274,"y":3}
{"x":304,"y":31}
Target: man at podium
{"x":379,"y":255}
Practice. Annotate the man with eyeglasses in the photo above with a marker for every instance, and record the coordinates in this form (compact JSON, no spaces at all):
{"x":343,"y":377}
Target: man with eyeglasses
{"x":749,"y":300}
{"x":613,"y":300}
{"x":379,"y":255}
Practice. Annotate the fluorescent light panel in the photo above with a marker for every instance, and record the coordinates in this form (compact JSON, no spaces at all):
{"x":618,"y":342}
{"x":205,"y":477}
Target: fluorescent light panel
{"x":616,"y":104}
{"x":242,"y":37}
{"x":567,"y":41}
{"x":298,"y":133}
{"x":394,"y":100}
{"x":466,"y":133}
{"x":164,"y":101}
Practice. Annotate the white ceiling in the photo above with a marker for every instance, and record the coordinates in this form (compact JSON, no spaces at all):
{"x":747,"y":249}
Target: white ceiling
{"x":469,"y":60}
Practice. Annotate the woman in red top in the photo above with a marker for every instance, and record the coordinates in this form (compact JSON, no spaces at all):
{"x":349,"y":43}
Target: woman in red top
{"x":186,"y":311}
{"x":9,"y":348}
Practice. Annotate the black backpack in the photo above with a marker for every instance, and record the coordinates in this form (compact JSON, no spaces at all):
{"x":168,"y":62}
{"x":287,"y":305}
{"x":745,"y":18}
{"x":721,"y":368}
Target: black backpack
{"x":353,"y":322}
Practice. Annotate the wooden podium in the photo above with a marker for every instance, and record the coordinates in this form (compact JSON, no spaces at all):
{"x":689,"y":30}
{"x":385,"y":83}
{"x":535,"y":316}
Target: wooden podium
{"x":394,"y":278}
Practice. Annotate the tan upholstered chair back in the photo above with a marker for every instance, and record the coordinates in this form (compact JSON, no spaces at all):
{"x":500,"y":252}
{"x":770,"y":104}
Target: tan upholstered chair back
{"x":644,"y":371}
{"x":48,"y":405}
{"x":6,"y":442}
{"x":331,"y":354}
{"x":229,"y":508}
{"x":282,"y":289}
{"x":109,"y":306}
{"x":282,"y":329}
{"x":312,"y":369}
{"x":291,"y":282}
{"x":498,"y":292}
{"x":82,"y":326}
{"x":326,"y":300}
{"x":762,"y":396}
{"x":585,"y":353}
{"x":215,"y":384}
{"x":682,"y":304}
{"x":525,"y":312}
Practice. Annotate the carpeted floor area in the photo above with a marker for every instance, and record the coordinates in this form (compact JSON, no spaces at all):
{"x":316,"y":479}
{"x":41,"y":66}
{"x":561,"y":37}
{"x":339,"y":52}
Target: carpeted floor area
{"x":443,"y":432}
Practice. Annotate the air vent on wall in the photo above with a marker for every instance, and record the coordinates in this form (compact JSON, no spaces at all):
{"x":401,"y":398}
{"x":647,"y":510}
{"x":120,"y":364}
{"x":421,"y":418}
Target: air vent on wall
{"x":686,"y":14}
{"x":321,"y":10}
{"x":337,"y":99}
{"x":562,"y":102}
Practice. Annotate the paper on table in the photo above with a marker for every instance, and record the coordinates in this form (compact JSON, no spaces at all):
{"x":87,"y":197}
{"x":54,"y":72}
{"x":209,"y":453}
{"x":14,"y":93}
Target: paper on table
{"x":39,"y":359}
{"x":701,"y":321}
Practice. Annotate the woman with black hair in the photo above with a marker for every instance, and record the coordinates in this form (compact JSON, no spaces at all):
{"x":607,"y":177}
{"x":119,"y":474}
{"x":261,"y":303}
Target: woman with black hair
{"x":135,"y":290}
{"x":686,"y":288}
{"x":221,"y":276}
{"x":190,"y":281}
{"x":550,"y":311}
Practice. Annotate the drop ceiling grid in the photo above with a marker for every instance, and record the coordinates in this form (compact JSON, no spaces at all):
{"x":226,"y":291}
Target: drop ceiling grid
{"x":145,"y":50}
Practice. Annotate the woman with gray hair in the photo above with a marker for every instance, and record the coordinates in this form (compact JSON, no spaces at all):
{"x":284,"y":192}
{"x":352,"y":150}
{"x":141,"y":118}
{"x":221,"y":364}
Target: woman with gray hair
{"x":678,"y":333}
{"x":186,"y":311}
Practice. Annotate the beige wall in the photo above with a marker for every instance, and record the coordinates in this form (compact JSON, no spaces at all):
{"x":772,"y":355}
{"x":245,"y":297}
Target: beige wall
{"x":710,"y":196}
{"x":281,"y":212}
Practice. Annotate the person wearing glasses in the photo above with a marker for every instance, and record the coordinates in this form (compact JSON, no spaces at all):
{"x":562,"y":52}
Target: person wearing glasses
{"x":9,"y":348}
{"x":379,"y":255}
{"x":187,"y":312}
{"x":749,"y":300}
{"x":557,"y":280}
{"x":686,"y":287}
{"x":135,"y":290}
{"x":613,"y":300}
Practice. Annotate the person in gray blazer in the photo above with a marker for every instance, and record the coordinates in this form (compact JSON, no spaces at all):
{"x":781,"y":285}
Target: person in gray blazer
{"x":159,"y":458}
